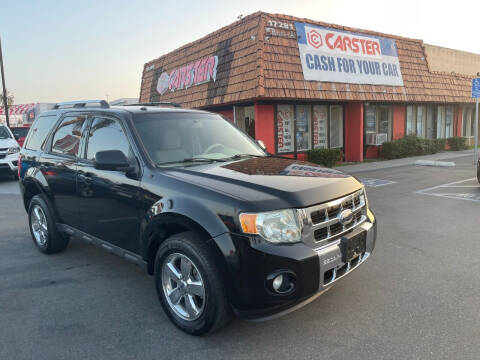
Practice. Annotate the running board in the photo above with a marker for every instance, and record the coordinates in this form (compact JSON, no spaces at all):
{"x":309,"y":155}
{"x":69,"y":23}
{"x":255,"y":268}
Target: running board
{"x":113,"y":249}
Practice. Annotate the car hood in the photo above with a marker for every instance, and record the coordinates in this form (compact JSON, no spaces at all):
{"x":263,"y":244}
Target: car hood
{"x":7,"y":143}
{"x":270,"y":182}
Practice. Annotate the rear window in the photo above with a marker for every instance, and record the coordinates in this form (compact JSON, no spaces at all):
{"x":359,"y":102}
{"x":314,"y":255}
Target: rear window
{"x":19,"y":132}
{"x":39,"y":131}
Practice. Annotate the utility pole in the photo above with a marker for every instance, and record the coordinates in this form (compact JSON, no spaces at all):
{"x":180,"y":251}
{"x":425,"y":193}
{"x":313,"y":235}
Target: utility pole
{"x":5,"y":102}
{"x":475,"y":151}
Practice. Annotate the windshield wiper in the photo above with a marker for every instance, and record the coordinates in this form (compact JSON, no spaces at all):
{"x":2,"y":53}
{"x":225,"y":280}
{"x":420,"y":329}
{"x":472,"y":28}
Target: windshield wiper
{"x":188,"y":160}
{"x":241,"y":156}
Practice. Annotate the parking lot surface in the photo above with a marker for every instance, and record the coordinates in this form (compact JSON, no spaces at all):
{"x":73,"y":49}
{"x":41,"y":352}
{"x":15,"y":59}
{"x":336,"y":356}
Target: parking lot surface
{"x":417,"y":297}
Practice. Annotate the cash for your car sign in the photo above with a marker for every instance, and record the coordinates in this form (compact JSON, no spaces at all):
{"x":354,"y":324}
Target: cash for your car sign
{"x":340,"y":56}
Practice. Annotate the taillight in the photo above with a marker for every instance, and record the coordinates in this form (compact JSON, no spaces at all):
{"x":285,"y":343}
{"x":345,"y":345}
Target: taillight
{"x":19,"y":164}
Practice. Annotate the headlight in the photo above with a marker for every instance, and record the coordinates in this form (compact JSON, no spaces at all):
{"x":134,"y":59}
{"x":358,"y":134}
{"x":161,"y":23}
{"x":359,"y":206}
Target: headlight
{"x":364,"y":195}
{"x":274,"y":226}
{"x":13,"y":150}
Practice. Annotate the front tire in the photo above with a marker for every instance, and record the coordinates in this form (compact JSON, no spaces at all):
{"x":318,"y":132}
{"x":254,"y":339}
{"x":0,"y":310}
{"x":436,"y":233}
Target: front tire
{"x":43,"y":228}
{"x":189,"y":285}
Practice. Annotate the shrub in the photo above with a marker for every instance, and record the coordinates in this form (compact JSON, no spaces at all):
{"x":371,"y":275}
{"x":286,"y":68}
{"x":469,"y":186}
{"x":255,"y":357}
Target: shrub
{"x":325,"y":157}
{"x":411,"y":146}
{"x":457,"y":143}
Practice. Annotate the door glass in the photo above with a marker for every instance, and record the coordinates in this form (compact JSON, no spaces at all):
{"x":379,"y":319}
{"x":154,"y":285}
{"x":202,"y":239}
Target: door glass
{"x":303,"y":137}
{"x":320,"y":116}
{"x":245,"y":119}
{"x":336,"y":127}
{"x":67,"y":137}
{"x":106,"y":134}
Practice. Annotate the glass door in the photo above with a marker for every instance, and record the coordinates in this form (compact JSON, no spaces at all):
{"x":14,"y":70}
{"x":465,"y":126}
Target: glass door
{"x":245,"y":119}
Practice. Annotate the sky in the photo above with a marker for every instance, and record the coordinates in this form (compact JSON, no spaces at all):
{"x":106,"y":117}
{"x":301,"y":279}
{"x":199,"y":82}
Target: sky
{"x":66,"y":50}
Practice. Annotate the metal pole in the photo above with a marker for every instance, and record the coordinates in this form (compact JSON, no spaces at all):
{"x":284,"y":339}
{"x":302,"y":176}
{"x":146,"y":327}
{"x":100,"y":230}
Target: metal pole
{"x":5,"y":103}
{"x":475,"y":151}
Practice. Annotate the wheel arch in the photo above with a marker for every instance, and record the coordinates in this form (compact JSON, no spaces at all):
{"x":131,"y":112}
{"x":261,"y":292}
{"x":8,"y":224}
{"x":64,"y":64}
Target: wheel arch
{"x":164,"y":225}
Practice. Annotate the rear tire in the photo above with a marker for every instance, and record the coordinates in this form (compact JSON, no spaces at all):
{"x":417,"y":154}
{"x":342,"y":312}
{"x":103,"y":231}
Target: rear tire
{"x":43,"y":227}
{"x":190,"y":285}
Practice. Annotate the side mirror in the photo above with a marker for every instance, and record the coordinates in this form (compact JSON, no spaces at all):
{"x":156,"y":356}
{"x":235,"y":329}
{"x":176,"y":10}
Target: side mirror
{"x":262,"y":144}
{"x":114,"y":160}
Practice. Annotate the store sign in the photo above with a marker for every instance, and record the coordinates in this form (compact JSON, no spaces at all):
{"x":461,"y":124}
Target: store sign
{"x":195,"y":73}
{"x":340,"y":56}
{"x":280,"y":29}
{"x":285,"y":128}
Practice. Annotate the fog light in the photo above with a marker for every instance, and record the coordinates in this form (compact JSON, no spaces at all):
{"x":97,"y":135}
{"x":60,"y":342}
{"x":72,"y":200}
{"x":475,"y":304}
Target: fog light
{"x":281,"y":282}
{"x":277,"y":282}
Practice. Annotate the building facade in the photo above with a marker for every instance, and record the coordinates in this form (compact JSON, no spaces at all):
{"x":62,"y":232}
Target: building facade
{"x":299,"y":84}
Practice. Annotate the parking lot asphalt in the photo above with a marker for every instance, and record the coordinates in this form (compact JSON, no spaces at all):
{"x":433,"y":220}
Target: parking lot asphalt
{"x":417,"y":297}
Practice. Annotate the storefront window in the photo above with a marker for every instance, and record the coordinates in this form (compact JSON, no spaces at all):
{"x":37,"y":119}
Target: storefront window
{"x":410,"y":130}
{"x":378,"y":120}
{"x":303,"y":136}
{"x":284,"y":128}
{"x":336,"y":126}
{"x":320,"y":117}
{"x":449,"y":122}
{"x":468,"y":118}
{"x":421,"y":121}
{"x":430,"y":130}
{"x":303,"y":127}
{"x":440,"y":122}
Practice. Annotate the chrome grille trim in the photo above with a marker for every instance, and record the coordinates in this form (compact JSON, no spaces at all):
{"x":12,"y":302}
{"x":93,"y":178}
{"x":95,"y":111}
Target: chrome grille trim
{"x":356,"y":202}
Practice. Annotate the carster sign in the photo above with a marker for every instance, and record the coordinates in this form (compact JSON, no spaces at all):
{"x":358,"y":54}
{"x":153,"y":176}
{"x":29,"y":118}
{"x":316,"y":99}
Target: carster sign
{"x":195,"y":73}
{"x":340,"y":56}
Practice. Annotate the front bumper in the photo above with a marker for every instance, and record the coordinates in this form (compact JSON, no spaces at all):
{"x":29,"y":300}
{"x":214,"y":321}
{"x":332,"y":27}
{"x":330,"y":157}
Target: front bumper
{"x":8,"y":163}
{"x":315,"y":270}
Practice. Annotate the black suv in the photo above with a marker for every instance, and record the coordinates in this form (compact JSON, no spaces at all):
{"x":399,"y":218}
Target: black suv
{"x":222,"y":225}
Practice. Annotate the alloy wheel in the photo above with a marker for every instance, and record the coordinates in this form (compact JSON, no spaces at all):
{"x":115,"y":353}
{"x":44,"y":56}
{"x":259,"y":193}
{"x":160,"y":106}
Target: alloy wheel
{"x":39,"y":224}
{"x":183,"y":287}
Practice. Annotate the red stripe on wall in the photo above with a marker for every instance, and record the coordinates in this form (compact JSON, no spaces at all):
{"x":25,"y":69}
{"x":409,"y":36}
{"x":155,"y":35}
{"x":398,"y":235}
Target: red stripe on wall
{"x":354,"y":131}
{"x":265,"y":125}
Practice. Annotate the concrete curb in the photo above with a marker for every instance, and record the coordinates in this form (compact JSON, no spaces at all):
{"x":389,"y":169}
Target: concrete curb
{"x":434,"y":163}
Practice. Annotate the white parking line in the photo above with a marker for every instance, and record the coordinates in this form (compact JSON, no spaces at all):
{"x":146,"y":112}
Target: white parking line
{"x":443,"y":185}
{"x":453,"y":185}
{"x":369,"y":182}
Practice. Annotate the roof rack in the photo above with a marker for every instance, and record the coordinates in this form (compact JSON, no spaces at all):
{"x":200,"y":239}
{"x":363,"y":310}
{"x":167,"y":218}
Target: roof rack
{"x":81,"y":104}
{"x":158,"y":103}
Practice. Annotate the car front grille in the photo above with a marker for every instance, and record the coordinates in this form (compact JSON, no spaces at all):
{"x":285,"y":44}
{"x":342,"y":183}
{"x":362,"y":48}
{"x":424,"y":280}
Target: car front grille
{"x":323,"y":224}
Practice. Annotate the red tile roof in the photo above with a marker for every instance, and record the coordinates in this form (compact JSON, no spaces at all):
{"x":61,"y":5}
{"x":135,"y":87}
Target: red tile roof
{"x":250,"y":66}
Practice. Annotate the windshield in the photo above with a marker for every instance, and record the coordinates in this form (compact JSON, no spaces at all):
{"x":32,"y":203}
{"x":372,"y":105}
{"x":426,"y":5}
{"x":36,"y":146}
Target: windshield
{"x":172,"y":138}
{"x":4,"y":133}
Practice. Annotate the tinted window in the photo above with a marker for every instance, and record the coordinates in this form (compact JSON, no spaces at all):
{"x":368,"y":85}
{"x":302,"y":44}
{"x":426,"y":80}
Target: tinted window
{"x":67,"y":137}
{"x":39,"y":131}
{"x":106,"y":134}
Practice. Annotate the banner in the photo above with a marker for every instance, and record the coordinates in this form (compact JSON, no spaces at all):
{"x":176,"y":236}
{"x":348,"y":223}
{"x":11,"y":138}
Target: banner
{"x":345,"y":57}
{"x":284,"y":128}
